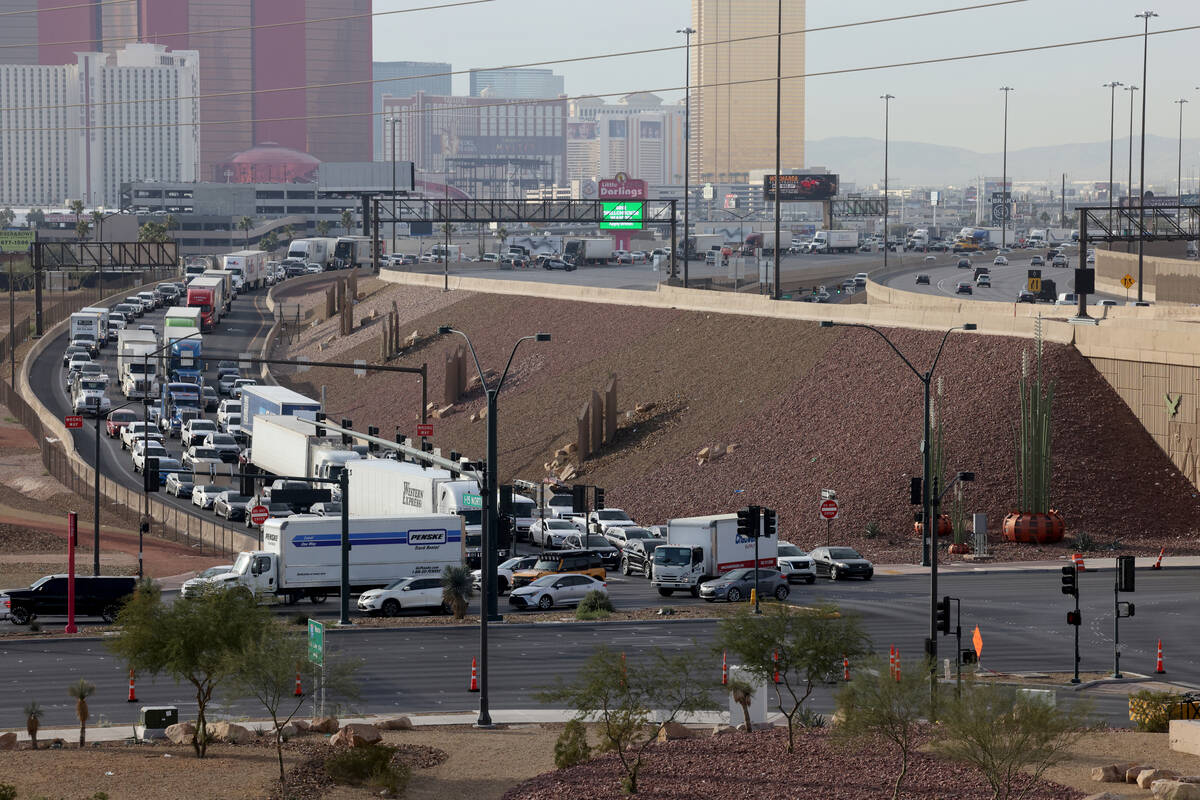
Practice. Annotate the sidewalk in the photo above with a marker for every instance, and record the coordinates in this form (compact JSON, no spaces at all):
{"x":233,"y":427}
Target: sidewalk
{"x":1092,"y":562}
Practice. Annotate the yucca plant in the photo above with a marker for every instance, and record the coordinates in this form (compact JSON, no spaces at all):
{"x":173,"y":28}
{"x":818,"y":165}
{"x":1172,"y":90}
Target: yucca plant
{"x":33,"y":720}
{"x":742,"y":693}
{"x":1033,"y":435}
{"x":456,"y":589}
{"x":81,"y":691}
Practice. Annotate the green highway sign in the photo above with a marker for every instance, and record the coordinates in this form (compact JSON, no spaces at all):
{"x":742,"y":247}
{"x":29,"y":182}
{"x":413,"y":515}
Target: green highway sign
{"x":622,"y":215}
{"x":15,"y":241}
{"x":472,"y":501}
{"x":316,"y":642}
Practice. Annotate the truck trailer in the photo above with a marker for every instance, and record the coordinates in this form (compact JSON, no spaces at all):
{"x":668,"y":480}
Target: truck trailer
{"x":258,"y":400}
{"x":587,"y":251}
{"x":136,"y":372}
{"x":834,"y":242}
{"x":248,"y":267}
{"x":765,"y":241}
{"x":285,"y":445}
{"x":353,"y":251}
{"x":207,"y":293}
{"x":316,"y":250}
{"x":699,"y":549}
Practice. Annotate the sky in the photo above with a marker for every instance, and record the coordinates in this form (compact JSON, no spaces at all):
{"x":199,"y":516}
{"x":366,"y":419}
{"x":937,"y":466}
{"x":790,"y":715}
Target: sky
{"x":1057,"y":95}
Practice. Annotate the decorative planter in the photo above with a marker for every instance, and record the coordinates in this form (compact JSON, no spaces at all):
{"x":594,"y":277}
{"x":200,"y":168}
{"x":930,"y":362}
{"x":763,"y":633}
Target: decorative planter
{"x":961,"y":548}
{"x":945,"y":527}
{"x":1022,"y":526}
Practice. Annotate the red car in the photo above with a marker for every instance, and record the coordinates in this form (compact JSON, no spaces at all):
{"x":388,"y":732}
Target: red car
{"x":117,"y":421}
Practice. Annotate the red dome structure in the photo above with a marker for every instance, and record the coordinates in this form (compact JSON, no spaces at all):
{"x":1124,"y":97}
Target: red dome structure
{"x":269,"y":162}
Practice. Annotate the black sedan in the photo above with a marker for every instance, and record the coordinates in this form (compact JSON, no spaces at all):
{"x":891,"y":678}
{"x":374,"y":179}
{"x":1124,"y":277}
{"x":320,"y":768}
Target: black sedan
{"x":964,"y":263}
{"x":841,"y":562}
{"x":922,"y":279}
{"x":231,"y":505}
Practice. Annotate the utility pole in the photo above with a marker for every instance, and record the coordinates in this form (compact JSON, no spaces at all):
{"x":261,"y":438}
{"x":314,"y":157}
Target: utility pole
{"x":1004,"y":171}
{"x":687,"y":141}
{"x":887,"y":103}
{"x":1145,"y":17}
{"x":1112,"y":110}
{"x":775,"y":292}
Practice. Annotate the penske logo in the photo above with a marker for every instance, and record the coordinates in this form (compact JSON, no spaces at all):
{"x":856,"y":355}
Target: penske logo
{"x":426,"y":537}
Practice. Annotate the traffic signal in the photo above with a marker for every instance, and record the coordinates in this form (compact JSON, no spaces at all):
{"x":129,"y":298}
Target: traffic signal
{"x":320,"y":417}
{"x":968,"y":656}
{"x":1070,"y":581}
{"x":914,"y":492}
{"x":943,"y":615}
{"x":372,"y":431}
{"x":747,"y":522}
{"x":247,"y":479}
{"x":599,"y":498}
{"x":506,"y":500}
{"x":150,"y":474}
{"x":1074,"y":618}
{"x":579,"y":498}
{"x":768,"y":522}
{"x":346,"y":438}
{"x":1124,"y":573}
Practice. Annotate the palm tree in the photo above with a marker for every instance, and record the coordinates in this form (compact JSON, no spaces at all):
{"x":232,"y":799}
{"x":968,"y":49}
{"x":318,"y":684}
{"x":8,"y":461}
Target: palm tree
{"x":347,"y":220}
{"x":33,"y":716}
{"x":76,"y":207}
{"x":287,"y":233}
{"x":172,"y":222}
{"x":244,"y":225}
{"x":502,"y":232}
{"x":98,"y":223}
{"x":82,"y":226}
{"x":456,"y":589}
{"x":742,"y":693}
{"x":323,"y":227}
{"x":81,"y":692}
{"x":269,"y":243}
{"x":35,"y":217}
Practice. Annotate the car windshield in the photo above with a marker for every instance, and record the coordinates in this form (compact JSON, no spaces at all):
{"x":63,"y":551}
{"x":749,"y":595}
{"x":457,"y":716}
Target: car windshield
{"x":236,"y":498}
{"x":735,"y":575}
{"x":122,"y":416}
{"x":559,"y":524}
{"x":561,"y":500}
{"x":637,"y":533}
{"x":221,"y":438}
{"x":546,"y":564}
{"x":843,"y":552}
{"x":790,"y":550}
{"x":594,"y":540}
{"x":213,"y":572}
{"x":210,"y":489}
{"x":545,"y":580}
{"x":672,"y":556}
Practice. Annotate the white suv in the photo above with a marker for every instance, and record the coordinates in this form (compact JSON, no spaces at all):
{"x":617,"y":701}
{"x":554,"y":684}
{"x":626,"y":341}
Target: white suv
{"x":795,"y":564}
{"x":194,"y":431}
{"x":404,"y":594}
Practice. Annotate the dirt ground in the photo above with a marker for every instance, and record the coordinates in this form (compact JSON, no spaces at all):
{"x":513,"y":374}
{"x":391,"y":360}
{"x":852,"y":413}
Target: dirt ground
{"x":1117,"y":746}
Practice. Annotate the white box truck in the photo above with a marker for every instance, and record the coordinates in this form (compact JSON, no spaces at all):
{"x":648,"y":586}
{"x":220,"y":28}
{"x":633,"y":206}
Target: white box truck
{"x":834,"y":242}
{"x":384,"y":487}
{"x":301,"y":555}
{"x":318,"y":250}
{"x":587,"y":251}
{"x":101,"y":315}
{"x":260,"y":400}
{"x":137,"y":374}
{"x":248,"y":268}
{"x":353,"y":251}
{"x":181,"y":317}
{"x":699,"y":549}
{"x":285,"y":445}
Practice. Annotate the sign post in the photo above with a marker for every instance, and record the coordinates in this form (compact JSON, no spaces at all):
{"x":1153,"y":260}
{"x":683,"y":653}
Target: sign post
{"x":73,"y":421}
{"x":316,"y":654}
{"x":829,"y":512}
{"x":72,"y":540}
{"x":1128,"y":281}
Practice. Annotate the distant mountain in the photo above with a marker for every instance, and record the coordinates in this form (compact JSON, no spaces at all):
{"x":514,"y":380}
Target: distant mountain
{"x":860,"y":160}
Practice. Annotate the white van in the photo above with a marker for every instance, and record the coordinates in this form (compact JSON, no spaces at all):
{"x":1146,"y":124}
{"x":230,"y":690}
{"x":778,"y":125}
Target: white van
{"x":1067,"y":299}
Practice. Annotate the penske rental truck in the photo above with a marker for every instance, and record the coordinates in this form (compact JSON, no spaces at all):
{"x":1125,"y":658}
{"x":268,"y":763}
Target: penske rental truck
{"x":699,"y":549}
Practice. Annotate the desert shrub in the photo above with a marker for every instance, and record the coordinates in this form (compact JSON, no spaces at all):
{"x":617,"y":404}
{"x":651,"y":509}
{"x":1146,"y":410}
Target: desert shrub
{"x":596,"y":600}
{"x":1151,"y":711}
{"x":807,"y":718}
{"x":572,"y":747}
{"x":368,"y":766}
{"x":299,"y":619}
{"x":590,"y":616}
{"x":8,"y":791}
{"x":1085,"y":542}
{"x":873,"y":530}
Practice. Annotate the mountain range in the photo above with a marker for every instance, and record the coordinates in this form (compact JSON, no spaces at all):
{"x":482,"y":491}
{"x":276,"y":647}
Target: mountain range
{"x":859,"y":160}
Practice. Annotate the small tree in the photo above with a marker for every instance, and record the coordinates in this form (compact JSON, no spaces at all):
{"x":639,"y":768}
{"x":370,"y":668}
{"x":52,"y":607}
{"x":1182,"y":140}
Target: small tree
{"x":35,"y":217}
{"x":244,"y":225}
{"x":877,"y":705}
{"x":82,"y":227}
{"x":269,"y":243}
{"x":171,"y":223}
{"x":7,"y":216}
{"x":624,"y":696}
{"x":197,"y":642}
{"x":81,"y":691}
{"x":33,"y":719}
{"x":1008,"y":735}
{"x":457,"y":589}
{"x":288,"y":233}
{"x":742,"y":692}
{"x":804,"y":648}
{"x":572,"y":748}
{"x":347,"y":220}
{"x":323,"y":226}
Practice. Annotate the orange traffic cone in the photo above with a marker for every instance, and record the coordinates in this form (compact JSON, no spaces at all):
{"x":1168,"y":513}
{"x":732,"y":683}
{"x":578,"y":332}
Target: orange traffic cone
{"x":1158,"y":668}
{"x":1078,"y":558}
{"x":1158,"y":563}
{"x":897,"y":666}
{"x":474,"y":678}
{"x":892,"y":661}
{"x":133,"y":695}
{"x":845,"y":668}
{"x":775,"y":659}
{"x":299,"y":688}
{"x":724,"y":670}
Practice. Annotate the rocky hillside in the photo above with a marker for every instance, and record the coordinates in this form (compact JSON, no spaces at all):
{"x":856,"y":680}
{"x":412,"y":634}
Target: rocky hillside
{"x":794,"y":407}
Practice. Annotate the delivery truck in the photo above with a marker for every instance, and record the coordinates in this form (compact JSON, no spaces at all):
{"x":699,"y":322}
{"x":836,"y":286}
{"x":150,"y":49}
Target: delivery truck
{"x":230,"y":291}
{"x":285,"y":445}
{"x":834,"y":242}
{"x":587,"y":251}
{"x":248,"y":268}
{"x":207,"y":292}
{"x":317,"y":250}
{"x":699,"y":549}
{"x":765,"y":241}
{"x":352,"y":252}
{"x":258,"y":400}
{"x":382,"y":487}
{"x":182,"y":317}
{"x":301,"y":556}
{"x":137,"y":364}
{"x":101,"y":315}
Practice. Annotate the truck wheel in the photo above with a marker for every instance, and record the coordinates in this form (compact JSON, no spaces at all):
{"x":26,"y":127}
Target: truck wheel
{"x":666,"y":592}
{"x":318,"y":598}
{"x":734,"y":595}
{"x":391,"y":608}
{"x":109,"y":614}
{"x":781,"y":593}
{"x":19,"y":615}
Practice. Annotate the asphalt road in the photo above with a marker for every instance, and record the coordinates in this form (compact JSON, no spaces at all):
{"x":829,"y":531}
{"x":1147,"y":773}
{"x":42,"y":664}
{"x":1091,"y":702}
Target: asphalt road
{"x":1021,"y":616}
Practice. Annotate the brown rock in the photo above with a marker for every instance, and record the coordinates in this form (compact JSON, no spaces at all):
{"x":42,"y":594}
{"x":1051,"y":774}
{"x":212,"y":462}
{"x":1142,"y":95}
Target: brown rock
{"x":1149,"y":776}
{"x":324,"y":725}
{"x":568,"y":473}
{"x":300,"y":725}
{"x":1188,"y":779}
{"x":703,"y":454}
{"x":572,"y":448}
{"x":562,"y":453}
{"x":356,"y":735}
{"x":675,"y":730}
{"x":181,"y":732}
{"x":1131,"y":774}
{"x":1176,"y":790}
{"x":483,"y":413}
{"x":730,"y":449}
{"x":8,"y":741}
{"x":229,"y":732}
{"x":396,"y":724}
{"x":643,"y":408}
{"x":721,"y":730}
{"x":1111,"y":773}
{"x":1105,"y":796}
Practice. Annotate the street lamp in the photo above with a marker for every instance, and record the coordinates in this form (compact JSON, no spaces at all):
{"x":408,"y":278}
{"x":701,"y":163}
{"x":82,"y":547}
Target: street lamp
{"x":1145,"y":17}
{"x":1129,"y":191}
{"x":887,"y":107}
{"x":928,"y":497}
{"x":96,"y":493}
{"x":1112,"y":106}
{"x":391,"y":120}
{"x":775,"y":292}
{"x":1004,"y":171}
{"x":487,"y":606}
{"x":687,"y":141}
{"x":1179,"y":167}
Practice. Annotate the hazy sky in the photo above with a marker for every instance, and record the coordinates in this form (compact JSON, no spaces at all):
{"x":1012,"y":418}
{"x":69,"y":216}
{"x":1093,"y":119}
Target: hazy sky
{"x":1058,"y":96}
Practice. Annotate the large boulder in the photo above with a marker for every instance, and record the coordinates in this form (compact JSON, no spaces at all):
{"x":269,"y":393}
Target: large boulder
{"x":1131,"y":774}
{"x":675,"y":730}
{"x":230,"y":733}
{"x":289,"y":731}
{"x":356,"y":735}
{"x":1105,"y":796}
{"x":395,"y":724}
{"x":1175,"y":790}
{"x":323,"y":725}
{"x":1109,"y":773}
{"x":300,"y":725}
{"x":8,"y":741}
{"x":1149,"y":776}
{"x":181,"y":732}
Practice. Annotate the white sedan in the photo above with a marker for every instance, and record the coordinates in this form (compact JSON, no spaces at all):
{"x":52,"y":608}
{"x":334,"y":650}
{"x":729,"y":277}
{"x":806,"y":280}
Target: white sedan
{"x":204,"y":494}
{"x":193,"y":585}
{"x":551,"y":532}
{"x":1000,"y":261}
{"x":403,"y":595}
{"x":555,"y":590}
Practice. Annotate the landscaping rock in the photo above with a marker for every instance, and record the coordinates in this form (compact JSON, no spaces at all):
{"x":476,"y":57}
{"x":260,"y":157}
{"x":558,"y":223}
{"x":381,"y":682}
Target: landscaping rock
{"x":1110,"y":773}
{"x":396,"y":724}
{"x":8,"y":741}
{"x":229,"y":732}
{"x":180,"y":732}
{"x":1188,"y":779}
{"x":300,"y":725}
{"x":1105,"y":796}
{"x":1131,"y":774}
{"x":356,"y":735}
{"x":1149,"y":776}
{"x":324,"y":725}
{"x":1175,"y":790}
{"x":721,"y":730}
{"x":675,"y":730}
{"x":289,"y":731}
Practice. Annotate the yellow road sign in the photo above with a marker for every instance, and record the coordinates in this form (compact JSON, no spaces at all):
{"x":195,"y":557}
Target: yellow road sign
{"x":1035,"y":285}
{"x":1128,"y":280}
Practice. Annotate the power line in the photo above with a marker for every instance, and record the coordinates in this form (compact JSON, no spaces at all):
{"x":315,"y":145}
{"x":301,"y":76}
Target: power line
{"x":801,"y":76}
{"x":254,"y":27}
{"x":553,"y":62}
{"x":63,"y":8}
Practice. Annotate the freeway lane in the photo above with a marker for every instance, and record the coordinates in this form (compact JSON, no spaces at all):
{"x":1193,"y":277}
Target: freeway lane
{"x":1022,"y":617}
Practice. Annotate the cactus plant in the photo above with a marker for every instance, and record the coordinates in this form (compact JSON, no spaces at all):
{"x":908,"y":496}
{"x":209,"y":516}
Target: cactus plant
{"x":1033,"y":436}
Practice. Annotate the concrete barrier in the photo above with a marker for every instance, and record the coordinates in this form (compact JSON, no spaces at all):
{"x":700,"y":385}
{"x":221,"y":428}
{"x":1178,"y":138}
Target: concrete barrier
{"x":1184,"y":736}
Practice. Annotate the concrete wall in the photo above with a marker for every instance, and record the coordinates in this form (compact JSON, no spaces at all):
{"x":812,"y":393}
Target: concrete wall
{"x":1165,"y":280}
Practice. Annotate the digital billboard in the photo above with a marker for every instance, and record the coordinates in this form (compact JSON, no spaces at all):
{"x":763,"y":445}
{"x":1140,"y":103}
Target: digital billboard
{"x":800,"y":188}
{"x":622,"y":215}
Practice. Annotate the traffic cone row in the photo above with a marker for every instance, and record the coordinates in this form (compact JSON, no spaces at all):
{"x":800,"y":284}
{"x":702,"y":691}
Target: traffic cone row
{"x":133,"y":695}
{"x":1158,"y":563}
{"x":897,"y":666}
{"x":1078,"y":559}
{"x":474,"y":678}
{"x":1158,"y":668}
{"x":724,"y":670}
{"x":892,"y":661}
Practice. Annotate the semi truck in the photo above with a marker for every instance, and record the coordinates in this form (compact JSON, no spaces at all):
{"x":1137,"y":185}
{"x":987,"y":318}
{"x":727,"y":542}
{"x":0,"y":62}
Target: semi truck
{"x":261,"y":400}
{"x":353,"y":251}
{"x":699,"y":549}
{"x":383,"y":487}
{"x":101,"y":315}
{"x":230,"y":290}
{"x":184,"y":354}
{"x":834,"y":242}
{"x":207,"y":293}
{"x":317,"y":250}
{"x":137,"y":374}
{"x":248,"y":267}
{"x":178,"y":403}
{"x":286,"y":446}
{"x":587,"y":251}
{"x":301,"y":556}
{"x":765,"y":241}
{"x":700,"y":244}
{"x":182,"y":317}
{"x":88,"y":397}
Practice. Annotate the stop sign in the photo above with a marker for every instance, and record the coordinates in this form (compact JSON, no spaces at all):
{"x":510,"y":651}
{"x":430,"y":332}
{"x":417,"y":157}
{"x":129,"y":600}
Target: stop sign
{"x":259,"y":514}
{"x":829,"y":509}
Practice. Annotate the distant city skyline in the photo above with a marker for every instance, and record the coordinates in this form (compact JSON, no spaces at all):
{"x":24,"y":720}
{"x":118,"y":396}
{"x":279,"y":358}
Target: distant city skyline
{"x":1058,"y":97}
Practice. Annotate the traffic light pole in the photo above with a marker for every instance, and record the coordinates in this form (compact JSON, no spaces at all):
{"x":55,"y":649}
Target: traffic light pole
{"x":1075,"y":679}
{"x":761,"y":524}
{"x":1116,"y":627}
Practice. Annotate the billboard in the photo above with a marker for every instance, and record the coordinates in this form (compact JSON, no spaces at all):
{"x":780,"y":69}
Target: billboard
{"x":622,"y":187}
{"x":622,"y":215}
{"x":800,"y":188}
{"x":15,"y":241}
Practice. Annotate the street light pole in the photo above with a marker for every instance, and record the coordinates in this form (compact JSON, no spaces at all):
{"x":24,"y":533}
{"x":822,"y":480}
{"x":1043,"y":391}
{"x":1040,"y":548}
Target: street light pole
{"x":1112,"y":121}
{"x":687,"y":140}
{"x":487,"y":605}
{"x":1179,"y":167}
{"x":392,"y":122}
{"x":775,"y":292}
{"x":1129,"y":190}
{"x":96,"y":493}
{"x":887,"y":107}
{"x":1145,"y":17}
{"x":1004,"y":172}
